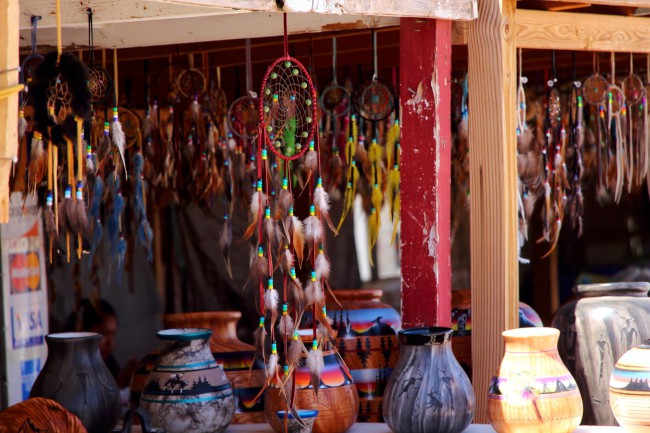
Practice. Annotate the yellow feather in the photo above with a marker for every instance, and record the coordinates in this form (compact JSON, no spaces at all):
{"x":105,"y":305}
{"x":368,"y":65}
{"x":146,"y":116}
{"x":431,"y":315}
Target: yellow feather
{"x":397,"y":208}
{"x":377,"y":198}
{"x":392,"y":189}
{"x":374,"y":156}
{"x":391,"y":138}
{"x":373,"y":233}
{"x":355,"y":131}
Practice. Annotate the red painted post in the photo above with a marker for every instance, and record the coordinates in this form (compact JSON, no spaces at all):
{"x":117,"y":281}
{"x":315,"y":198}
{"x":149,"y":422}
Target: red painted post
{"x":425,"y":95}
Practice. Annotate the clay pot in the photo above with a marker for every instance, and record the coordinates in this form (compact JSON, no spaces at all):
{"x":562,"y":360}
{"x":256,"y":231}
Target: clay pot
{"x":187,"y":391}
{"x":337,"y":402}
{"x":367,"y":342}
{"x":533,"y":391}
{"x":292,"y":425}
{"x":76,"y":377}
{"x":461,"y":323}
{"x":629,"y":390}
{"x":233,"y":355}
{"x":39,"y":415}
{"x":428,"y":391}
{"x":604,"y":322}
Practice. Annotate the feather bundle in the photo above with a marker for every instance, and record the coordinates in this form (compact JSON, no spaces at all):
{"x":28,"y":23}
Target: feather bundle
{"x":322,"y":267}
{"x":287,"y":261}
{"x":22,"y":125}
{"x":37,"y":163}
{"x":373,"y":232}
{"x":297,"y":295}
{"x":80,"y":220}
{"x":392,"y":145}
{"x":314,"y":293}
{"x":296,"y":350}
{"x":284,"y":203}
{"x":259,"y":201}
{"x":315,"y":364}
{"x":119,"y":139}
{"x":225,"y":240}
{"x":322,"y":205}
{"x":285,"y":326}
{"x":313,"y":230}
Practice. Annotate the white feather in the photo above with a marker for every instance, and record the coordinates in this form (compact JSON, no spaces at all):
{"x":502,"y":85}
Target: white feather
{"x":314,"y":292}
{"x":258,"y":201}
{"x":289,"y":260}
{"x":22,"y":127}
{"x":232,"y":144}
{"x":211,"y":143}
{"x":272,"y":365}
{"x":119,"y":140}
{"x":286,"y":325}
{"x":323,"y":267}
{"x":313,"y":229}
{"x":271,"y":300}
{"x":322,"y":199}
{"x":315,"y":361}
{"x":269,"y":226}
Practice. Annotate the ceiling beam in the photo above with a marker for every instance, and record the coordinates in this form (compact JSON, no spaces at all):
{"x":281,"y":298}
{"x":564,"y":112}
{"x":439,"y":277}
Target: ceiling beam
{"x":111,"y":33}
{"x":619,"y":3}
{"x":449,"y":10}
{"x":581,"y":32}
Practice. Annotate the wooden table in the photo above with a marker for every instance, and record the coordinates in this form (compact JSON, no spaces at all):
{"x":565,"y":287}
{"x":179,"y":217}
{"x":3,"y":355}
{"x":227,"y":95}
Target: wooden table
{"x":383,"y":428}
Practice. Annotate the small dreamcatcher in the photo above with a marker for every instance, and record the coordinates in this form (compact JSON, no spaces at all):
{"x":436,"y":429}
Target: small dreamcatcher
{"x":287,"y":108}
{"x":217,"y":101}
{"x":31,"y":62}
{"x":595,"y":86}
{"x":243,"y":114}
{"x":374,"y":99}
{"x":99,"y":80}
{"x":191,"y":82}
{"x":335,"y":99}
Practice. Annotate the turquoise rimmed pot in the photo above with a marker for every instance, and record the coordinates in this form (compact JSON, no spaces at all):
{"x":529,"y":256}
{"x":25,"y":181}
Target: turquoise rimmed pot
{"x":187,"y":391}
{"x":292,"y":425}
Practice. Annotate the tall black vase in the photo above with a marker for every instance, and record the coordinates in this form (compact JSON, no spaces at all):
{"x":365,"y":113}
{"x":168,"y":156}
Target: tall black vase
{"x":428,"y":391}
{"x":75,"y":376}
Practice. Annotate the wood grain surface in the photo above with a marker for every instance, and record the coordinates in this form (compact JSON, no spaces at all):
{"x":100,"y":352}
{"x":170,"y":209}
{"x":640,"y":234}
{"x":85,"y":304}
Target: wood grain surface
{"x":493,"y":174}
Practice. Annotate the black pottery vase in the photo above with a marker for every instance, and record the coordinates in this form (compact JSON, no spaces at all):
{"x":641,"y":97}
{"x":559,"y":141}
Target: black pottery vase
{"x":596,"y":329}
{"x":76,"y":377}
{"x":428,"y":391}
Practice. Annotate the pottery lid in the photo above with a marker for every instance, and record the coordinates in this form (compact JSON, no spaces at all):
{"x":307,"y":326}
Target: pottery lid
{"x":302,"y":413}
{"x":72,"y":336}
{"x":425,"y":336}
{"x":612,"y":289}
{"x":184,"y":334}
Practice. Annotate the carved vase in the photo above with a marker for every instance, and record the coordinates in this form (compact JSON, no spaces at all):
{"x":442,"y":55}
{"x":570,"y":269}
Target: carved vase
{"x":533,"y":392}
{"x":428,"y":391}
{"x":187,"y":391}
{"x":597,"y":328}
{"x":76,"y":377}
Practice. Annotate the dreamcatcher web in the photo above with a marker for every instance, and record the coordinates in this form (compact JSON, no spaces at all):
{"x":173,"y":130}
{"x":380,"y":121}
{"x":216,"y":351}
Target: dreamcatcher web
{"x":375,"y":100}
{"x":335,"y":99}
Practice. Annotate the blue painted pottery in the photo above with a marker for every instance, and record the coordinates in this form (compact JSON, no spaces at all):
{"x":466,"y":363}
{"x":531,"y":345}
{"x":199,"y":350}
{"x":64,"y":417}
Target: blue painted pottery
{"x":187,"y":391}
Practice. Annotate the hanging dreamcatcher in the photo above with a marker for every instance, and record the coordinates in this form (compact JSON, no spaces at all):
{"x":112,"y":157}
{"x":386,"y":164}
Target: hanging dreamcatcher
{"x":374,"y":100}
{"x":616,"y":124}
{"x":288,"y":128}
{"x":190,"y":82}
{"x":243,"y":114}
{"x":99,"y":80}
{"x":31,"y":62}
{"x":574,"y":150}
{"x":217,"y":100}
{"x":594,"y":91}
{"x":335,"y":99}
{"x":634,"y":92}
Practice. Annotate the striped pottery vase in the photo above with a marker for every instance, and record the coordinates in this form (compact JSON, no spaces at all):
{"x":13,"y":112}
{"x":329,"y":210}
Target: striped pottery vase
{"x":629,"y":389}
{"x":187,"y":391}
{"x":533,"y":391}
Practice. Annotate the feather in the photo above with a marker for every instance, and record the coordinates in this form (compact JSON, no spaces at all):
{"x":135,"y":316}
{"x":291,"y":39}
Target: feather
{"x":22,"y":125}
{"x":147,"y":126}
{"x":311,"y":161}
{"x":396,"y":217}
{"x":525,"y":141}
{"x":377,"y":166}
{"x":322,"y":204}
{"x":121,"y":255}
{"x":95,"y":241}
{"x":296,"y":294}
{"x":269,"y":228}
{"x":272,"y":366}
{"x":225,"y":240}
{"x":62,"y":213}
{"x":392,"y":144}
{"x":98,"y":192}
{"x":314,"y":293}
{"x":296,"y":350}
{"x":336,"y":175}
{"x":350,"y":192}
{"x":145,"y":237}
{"x":154,"y":113}
{"x":288,"y":261}
{"x":286,"y":325}
{"x":259,"y":201}
{"x":313,"y":230}
{"x":196,"y":107}
{"x":169,"y":125}
{"x":315,"y":364}
{"x":298,"y":237}
{"x":260,"y":266}
{"x":392,"y":189}
{"x":50,"y":225}
{"x":260,"y":337}
{"x":285,"y":202}
{"x":362,"y":156}
{"x":210,"y":141}
{"x":37,"y":163}
{"x":322,"y":266}
{"x":119,"y":139}
{"x":81,"y":216}
{"x":271,"y":299}
{"x":373,"y":232}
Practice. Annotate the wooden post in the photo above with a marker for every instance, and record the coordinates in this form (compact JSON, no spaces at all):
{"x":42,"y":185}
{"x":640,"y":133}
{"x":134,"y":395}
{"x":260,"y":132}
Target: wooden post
{"x":425,"y":94}
{"x":493,"y":189}
{"x":8,"y":105}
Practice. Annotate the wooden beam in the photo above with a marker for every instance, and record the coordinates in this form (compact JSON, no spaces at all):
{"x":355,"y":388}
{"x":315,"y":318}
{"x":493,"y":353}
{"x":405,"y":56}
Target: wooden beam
{"x":493,"y":189}
{"x":425,"y":95}
{"x":8,"y":105}
{"x":451,"y":10}
{"x":581,"y":32}
{"x":189,"y":29}
{"x":619,"y":3}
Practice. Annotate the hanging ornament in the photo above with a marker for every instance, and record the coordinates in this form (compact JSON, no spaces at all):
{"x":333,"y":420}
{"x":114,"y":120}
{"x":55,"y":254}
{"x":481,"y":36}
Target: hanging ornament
{"x":335,"y":99}
{"x":374,"y":100}
{"x":99,"y":80}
